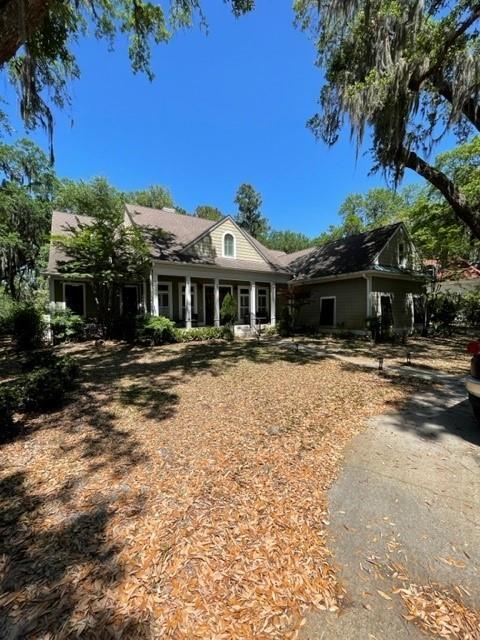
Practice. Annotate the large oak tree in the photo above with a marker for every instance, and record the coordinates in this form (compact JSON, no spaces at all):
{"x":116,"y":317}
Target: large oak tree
{"x":406,"y":71}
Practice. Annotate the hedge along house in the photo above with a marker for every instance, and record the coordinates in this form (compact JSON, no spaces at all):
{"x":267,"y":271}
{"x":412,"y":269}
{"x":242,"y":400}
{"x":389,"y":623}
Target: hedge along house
{"x":196,"y":262}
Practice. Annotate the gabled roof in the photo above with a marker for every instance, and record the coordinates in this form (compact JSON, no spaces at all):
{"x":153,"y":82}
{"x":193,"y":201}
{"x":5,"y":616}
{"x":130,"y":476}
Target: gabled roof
{"x":179,"y":232}
{"x":346,"y":255}
{"x":62,"y":225}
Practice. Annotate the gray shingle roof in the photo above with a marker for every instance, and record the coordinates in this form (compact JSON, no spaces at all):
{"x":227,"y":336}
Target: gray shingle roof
{"x":347,"y":255}
{"x":62,"y":223}
{"x":172,"y":232}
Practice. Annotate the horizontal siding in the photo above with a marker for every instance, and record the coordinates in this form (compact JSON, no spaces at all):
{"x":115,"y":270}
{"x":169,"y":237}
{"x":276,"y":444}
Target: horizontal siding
{"x":351,"y":303}
{"x":389,"y":255}
{"x":399,"y":289}
{"x":212,"y":244}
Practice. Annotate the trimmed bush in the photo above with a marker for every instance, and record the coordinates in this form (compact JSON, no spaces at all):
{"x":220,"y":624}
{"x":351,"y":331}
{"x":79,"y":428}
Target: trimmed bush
{"x":44,"y":388}
{"x":66,"y":326}
{"x":200,"y":334}
{"x":27,"y":325}
{"x":155,"y":330}
{"x":9,"y":403}
{"x":271,"y":330}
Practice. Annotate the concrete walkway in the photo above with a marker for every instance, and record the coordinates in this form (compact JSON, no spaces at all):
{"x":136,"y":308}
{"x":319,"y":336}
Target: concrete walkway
{"x":409,"y":494}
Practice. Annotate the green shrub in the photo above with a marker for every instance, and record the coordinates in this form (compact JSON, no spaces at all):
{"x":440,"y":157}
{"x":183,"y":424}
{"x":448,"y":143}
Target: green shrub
{"x":200,"y":334}
{"x":228,"y":310}
{"x":7,"y":306}
{"x":9,"y":403}
{"x":27,"y":325}
{"x":155,"y":329}
{"x":66,"y":326}
{"x":470,"y":307}
{"x":44,"y":388}
{"x":271,"y":330}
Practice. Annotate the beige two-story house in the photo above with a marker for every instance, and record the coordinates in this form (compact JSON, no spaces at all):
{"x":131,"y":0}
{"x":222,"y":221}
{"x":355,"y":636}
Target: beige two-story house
{"x":196,"y":262}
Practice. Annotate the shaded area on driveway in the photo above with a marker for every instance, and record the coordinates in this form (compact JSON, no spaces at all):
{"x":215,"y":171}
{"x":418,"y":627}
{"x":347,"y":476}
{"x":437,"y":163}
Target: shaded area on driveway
{"x":406,"y":502}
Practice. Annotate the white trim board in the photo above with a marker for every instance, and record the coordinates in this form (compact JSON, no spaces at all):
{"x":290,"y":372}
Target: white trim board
{"x":193,"y":286}
{"x":224,"y":255}
{"x":170,"y":297}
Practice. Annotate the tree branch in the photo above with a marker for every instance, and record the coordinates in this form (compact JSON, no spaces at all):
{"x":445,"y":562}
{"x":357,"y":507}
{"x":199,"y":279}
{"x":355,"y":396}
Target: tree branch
{"x":470,"y":108}
{"x":416,"y":83}
{"x":469,"y":215}
{"x":18,"y":20}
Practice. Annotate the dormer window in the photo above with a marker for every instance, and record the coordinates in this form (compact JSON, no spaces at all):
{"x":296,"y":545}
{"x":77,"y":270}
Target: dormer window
{"x":229,"y":245}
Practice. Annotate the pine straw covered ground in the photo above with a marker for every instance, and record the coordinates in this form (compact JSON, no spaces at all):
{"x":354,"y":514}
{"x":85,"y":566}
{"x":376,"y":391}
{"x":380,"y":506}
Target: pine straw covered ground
{"x":438,"y":613}
{"x":180,"y":495}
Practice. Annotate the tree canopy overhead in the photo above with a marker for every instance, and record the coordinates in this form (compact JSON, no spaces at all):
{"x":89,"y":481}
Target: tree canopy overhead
{"x":27,"y":187}
{"x":37,"y":38}
{"x":406,"y":70}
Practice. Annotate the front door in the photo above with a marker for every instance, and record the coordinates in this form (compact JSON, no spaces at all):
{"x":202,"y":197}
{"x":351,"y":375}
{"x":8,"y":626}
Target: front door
{"x":210,"y":302}
{"x":209,"y":306}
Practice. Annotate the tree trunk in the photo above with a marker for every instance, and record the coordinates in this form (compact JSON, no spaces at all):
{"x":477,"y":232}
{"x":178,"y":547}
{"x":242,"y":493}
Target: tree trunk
{"x":469,"y":215}
{"x":18,"y":20}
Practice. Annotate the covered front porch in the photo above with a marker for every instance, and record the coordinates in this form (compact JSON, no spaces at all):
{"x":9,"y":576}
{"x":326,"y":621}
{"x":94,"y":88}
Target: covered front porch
{"x":194,"y":297}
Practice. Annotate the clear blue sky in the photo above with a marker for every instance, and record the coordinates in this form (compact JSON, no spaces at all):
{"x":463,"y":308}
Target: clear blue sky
{"x":226,"y":108}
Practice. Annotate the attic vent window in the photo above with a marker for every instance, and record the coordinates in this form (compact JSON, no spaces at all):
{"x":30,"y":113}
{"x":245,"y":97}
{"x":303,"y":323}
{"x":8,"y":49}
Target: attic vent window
{"x":228,"y":245}
{"x":401,"y":254}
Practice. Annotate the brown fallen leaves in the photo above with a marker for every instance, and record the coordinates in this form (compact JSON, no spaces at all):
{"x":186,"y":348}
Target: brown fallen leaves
{"x":181,"y":495}
{"x":439,"y":614}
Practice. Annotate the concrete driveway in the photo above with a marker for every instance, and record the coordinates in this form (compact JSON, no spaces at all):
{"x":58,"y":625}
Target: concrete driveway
{"x":409,"y":494}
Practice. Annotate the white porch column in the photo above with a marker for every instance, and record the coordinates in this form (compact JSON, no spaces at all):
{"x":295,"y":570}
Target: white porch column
{"x":273,"y":303}
{"x":216,"y":303}
{"x":145,"y":284}
{"x":369,"y":296}
{"x":154,"y":294}
{"x":188,"y":302}
{"x":253,"y":304}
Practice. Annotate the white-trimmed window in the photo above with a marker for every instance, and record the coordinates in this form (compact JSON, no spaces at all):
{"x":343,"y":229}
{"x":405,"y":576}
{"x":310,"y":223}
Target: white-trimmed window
{"x":244,"y":305}
{"x":165,"y":299}
{"x":181,"y":299}
{"x":328,"y":311}
{"x":228,"y":245}
{"x":262,"y":302}
{"x":74,"y":295}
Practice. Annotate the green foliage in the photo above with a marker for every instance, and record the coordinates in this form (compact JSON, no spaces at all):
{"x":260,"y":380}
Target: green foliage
{"x":155,"y":330}
{"x":228,"y":310}
{"x":101,"y":249}
{"x":271,"y":330}
{"x":443,"y":310}
{"x":44,"y":388}
{"x":470,"y":308}
{"x":9,"y":403}
{"x":28,"y":326}
{"x":200,"y":334}
{"x":66,"y":326}
{"x":27,"y":185}
{"x":7,"y":306}
{"x":408,"y":86}
{"x":208,"y":212}
{"x":287,"y":241}
{"x":249,"y":215}
{"x":433,"y":223}
{"x":47,"y":66}
{"x":154,"y":196}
